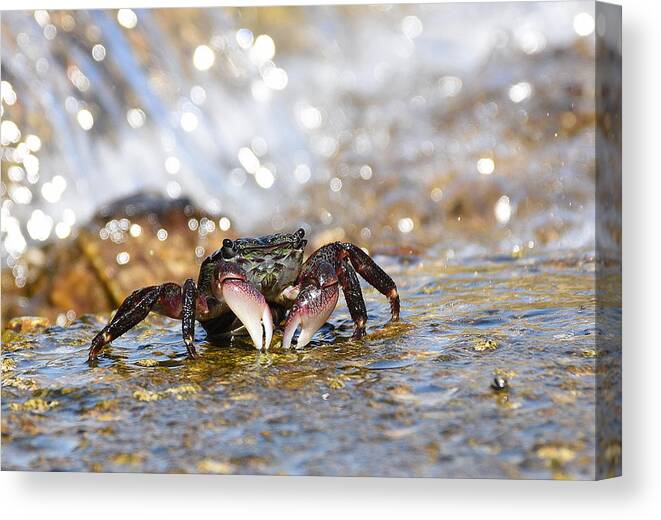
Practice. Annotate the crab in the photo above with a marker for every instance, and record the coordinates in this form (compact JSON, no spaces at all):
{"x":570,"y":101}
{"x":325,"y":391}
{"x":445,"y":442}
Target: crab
{"x":250,"y":283}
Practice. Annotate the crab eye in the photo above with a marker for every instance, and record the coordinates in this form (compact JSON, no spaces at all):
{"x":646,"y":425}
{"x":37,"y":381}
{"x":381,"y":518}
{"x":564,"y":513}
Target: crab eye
{"x":300,"y":233}
{"x":228,"y":250}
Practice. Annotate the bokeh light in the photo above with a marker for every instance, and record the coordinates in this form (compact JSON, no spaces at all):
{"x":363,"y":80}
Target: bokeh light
{"x":398,"y":131}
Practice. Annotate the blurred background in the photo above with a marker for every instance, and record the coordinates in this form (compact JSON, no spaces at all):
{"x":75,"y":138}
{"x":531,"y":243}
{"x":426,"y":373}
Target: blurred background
{"x":473,"y":149}
{"x":133,"y":141}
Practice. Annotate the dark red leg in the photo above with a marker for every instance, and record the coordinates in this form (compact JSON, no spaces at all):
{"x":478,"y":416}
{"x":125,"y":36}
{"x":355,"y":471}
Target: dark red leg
{"x":377,"y":277}
{"x":165,"y":299}
{"x":189,"y":300}
{"x":332,"y":265}
{"x":353,"y":296}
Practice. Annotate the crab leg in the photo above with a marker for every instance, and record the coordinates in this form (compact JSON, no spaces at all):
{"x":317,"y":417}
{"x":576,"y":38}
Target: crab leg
{"x":164,"y":299}
{"x":312,"y":307}
{"x":132,"y":311}
{"x":249,"y":305}
{"x":377,"y":277}
{"x":353,"y":296}
{"x":189,"y":298}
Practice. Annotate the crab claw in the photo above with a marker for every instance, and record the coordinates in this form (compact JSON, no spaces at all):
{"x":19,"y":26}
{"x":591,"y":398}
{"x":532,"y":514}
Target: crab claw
{"x":251,"y":308}
{"x":313,"y":306}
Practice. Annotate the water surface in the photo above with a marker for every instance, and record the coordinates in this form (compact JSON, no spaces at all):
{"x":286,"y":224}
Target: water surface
{"x":411,"y":399}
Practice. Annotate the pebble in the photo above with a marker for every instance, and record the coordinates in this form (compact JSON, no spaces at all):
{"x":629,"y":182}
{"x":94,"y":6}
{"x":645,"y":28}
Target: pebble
{"x":499,"y":384}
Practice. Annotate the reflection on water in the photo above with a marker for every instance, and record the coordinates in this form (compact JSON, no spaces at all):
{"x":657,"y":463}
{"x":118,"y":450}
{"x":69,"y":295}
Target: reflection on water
{"x":412,"y":399}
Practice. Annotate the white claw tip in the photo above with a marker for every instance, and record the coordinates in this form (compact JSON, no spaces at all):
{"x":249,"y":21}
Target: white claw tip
{"x":267,"y":323}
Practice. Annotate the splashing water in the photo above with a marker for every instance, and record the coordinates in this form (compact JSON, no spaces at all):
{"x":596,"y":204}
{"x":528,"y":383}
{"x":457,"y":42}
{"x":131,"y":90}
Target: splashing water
{"x":237,"y":107}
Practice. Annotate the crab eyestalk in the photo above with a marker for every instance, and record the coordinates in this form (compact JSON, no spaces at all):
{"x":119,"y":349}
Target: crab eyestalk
{"x":249,"y":305}
{"x":313,"y":306}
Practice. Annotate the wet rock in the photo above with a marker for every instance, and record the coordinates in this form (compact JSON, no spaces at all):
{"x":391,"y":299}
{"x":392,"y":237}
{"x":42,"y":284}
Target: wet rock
{"x":483,"y":344}
{"x":34,"y":405}
{"x":8,"y":365}
{"x":134,"y":242}
{"x":20,"y":383}
{"x":146,"y":363}
{"x":146,"y":395}
{"x":25,"y":324}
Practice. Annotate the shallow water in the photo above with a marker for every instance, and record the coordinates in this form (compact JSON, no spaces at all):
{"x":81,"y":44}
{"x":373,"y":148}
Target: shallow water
{"x":411,"y":399}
